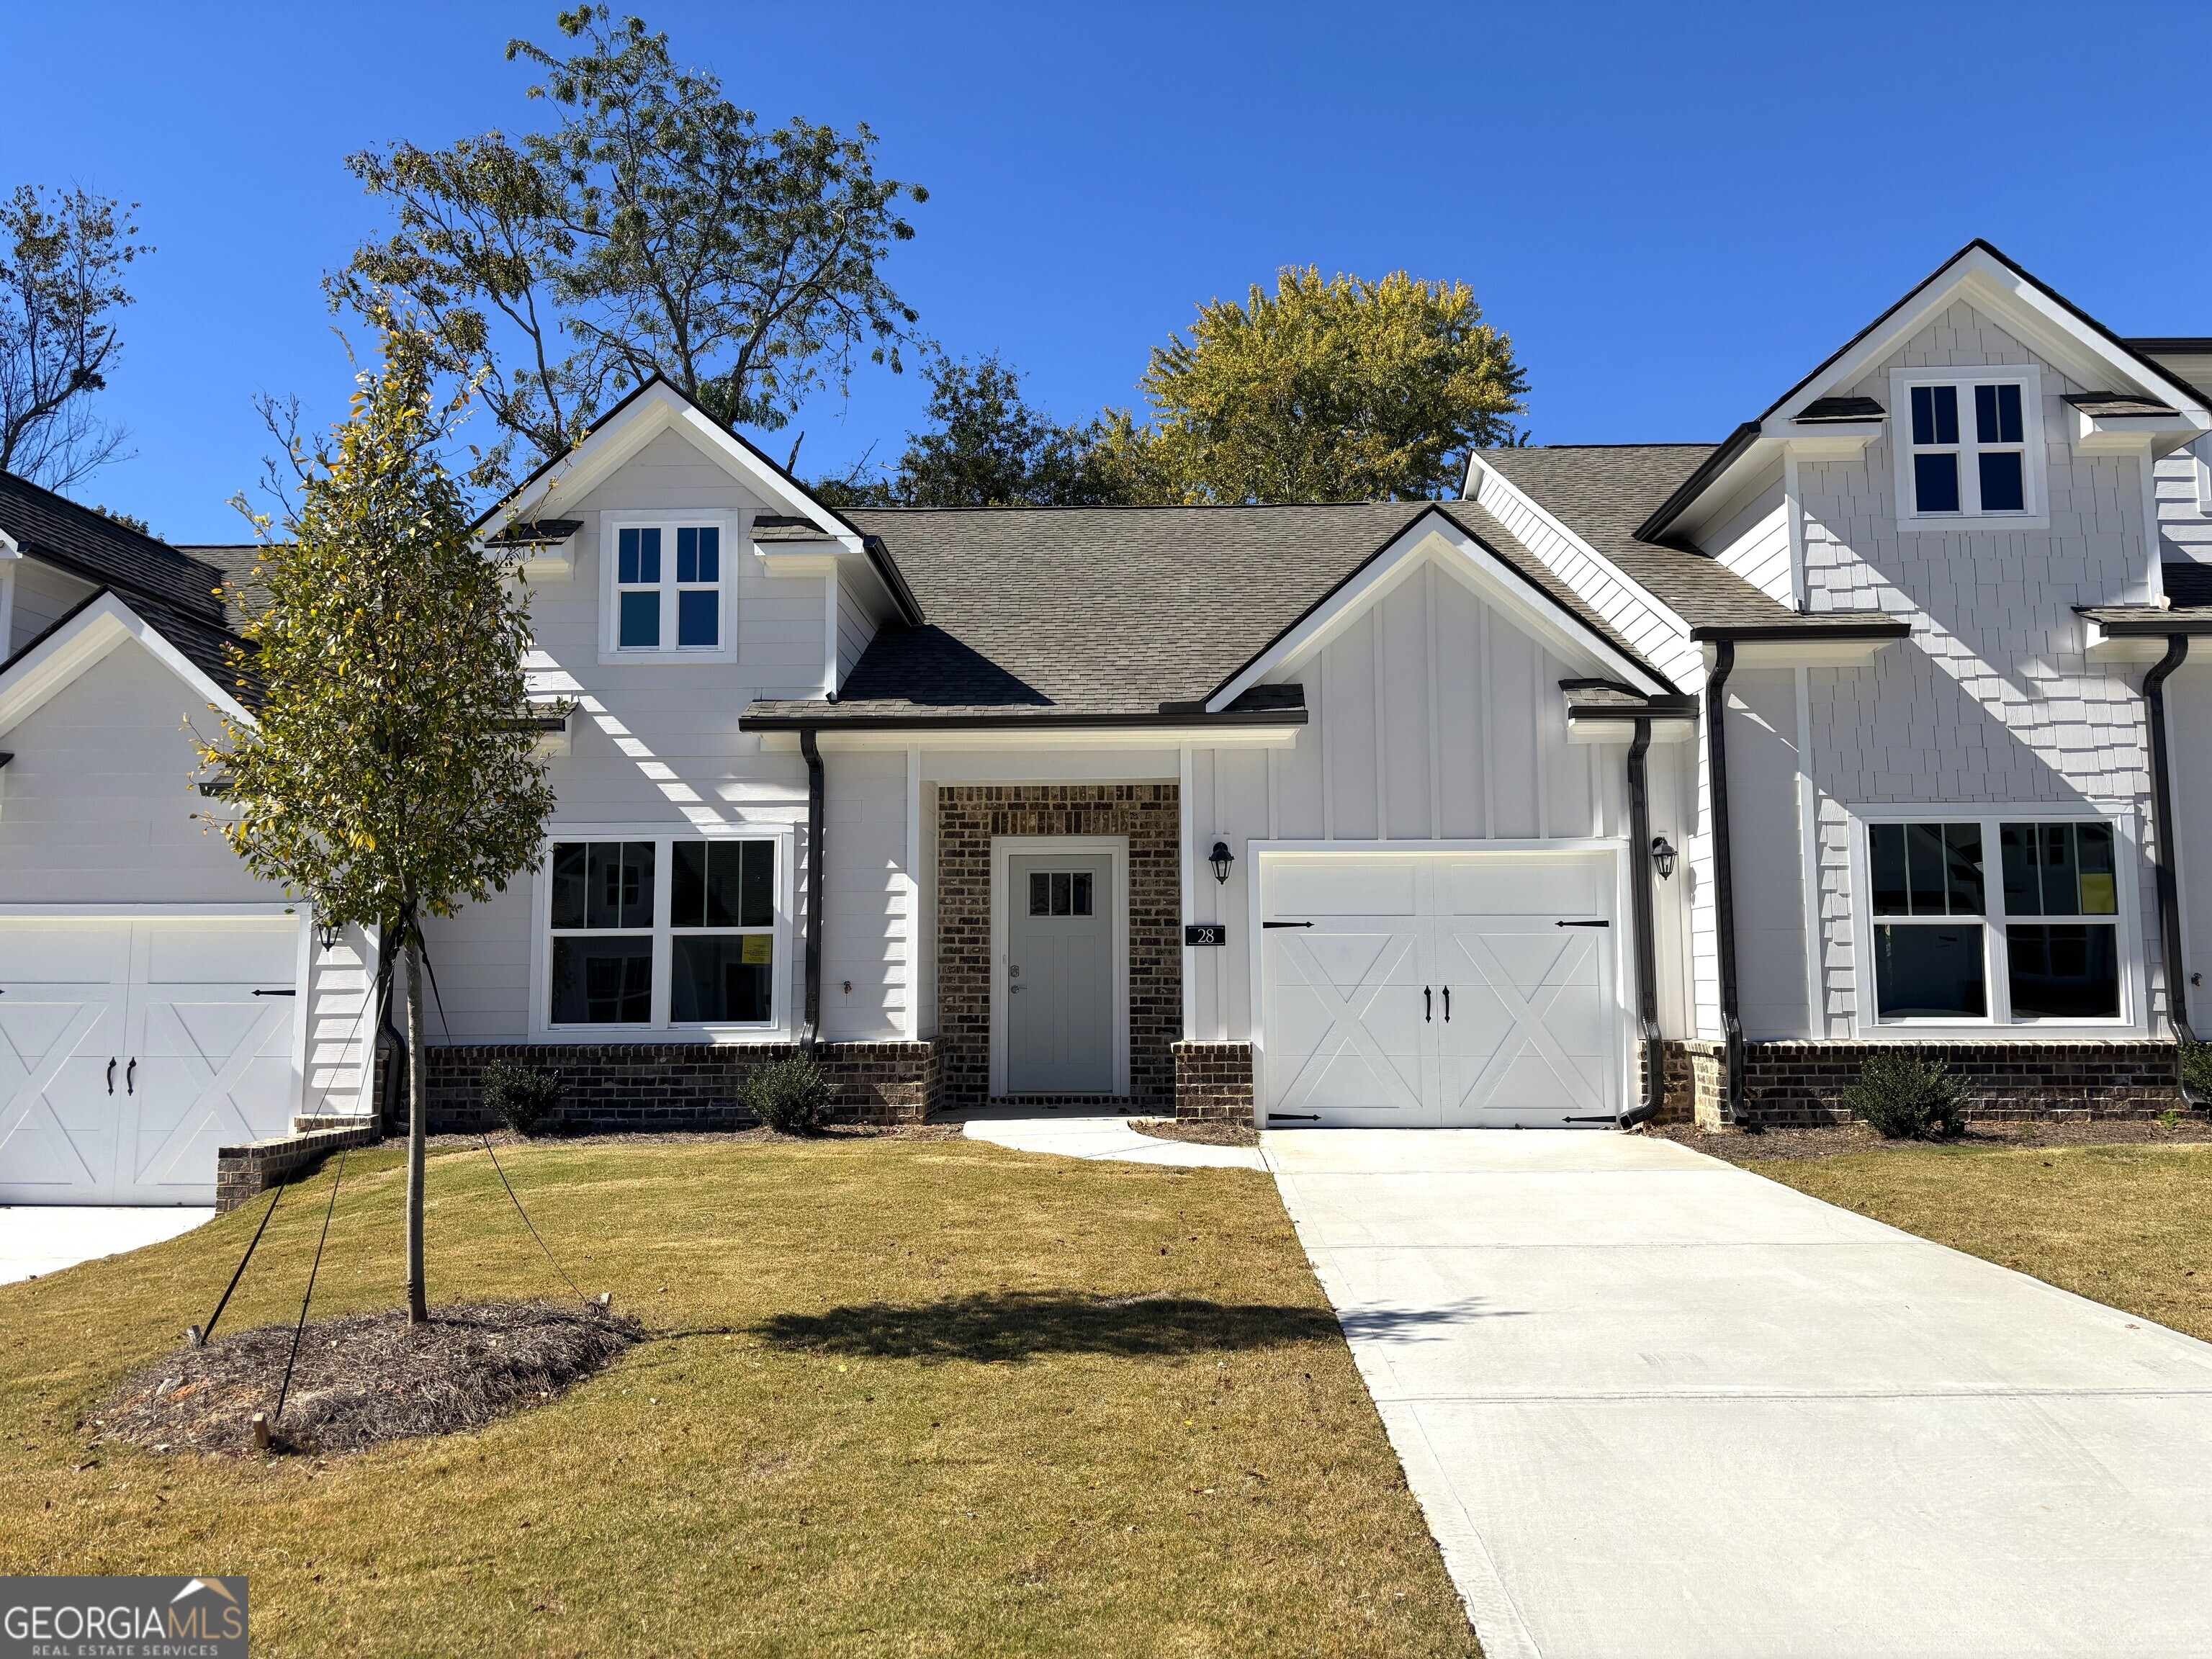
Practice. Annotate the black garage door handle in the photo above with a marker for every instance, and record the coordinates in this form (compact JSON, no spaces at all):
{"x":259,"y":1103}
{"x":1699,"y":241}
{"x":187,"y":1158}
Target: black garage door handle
{"x":1286,"y":924}
{"x":1582,"y":924}
{"x":288,"y":993}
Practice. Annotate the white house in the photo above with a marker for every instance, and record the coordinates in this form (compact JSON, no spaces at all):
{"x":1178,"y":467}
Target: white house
{"x":1642,"y":778}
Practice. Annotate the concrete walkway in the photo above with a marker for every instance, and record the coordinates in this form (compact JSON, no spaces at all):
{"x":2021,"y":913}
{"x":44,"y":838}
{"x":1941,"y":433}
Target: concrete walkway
{"x":1653,"y":1405}
{"x":38,"y":1239}
{"x":1088,"y":1136}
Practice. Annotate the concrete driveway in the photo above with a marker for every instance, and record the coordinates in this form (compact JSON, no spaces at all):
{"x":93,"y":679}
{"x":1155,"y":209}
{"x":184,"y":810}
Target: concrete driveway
{"x":1653,"y":1405}
{"x":38,"y":1239}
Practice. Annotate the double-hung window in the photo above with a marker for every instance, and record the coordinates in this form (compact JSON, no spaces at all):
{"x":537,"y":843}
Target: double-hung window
{"x":664,"y":932}
{"x":1968,"y":448}
{"x":1995,"y":921}
{"x":667,"y":587}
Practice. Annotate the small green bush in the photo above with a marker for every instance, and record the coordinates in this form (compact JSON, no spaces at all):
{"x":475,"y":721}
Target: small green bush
{"x":522,"y":1095}
{"x":790,"y":1095}
{"x":1905,"y":1095}
{"x":2197,"y":1068}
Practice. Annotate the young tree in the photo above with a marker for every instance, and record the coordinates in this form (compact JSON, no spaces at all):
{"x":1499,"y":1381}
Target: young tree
{"x":990,"y":447}
{"x":1324,"y":391}
{"x":656,"y":229}
{"x":387,"y":776}
{"x":61,"y":283}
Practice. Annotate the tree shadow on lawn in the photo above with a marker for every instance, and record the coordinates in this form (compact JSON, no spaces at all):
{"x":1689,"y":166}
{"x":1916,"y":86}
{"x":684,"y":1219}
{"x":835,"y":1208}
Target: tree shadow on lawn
{"x":1016,"y":1325}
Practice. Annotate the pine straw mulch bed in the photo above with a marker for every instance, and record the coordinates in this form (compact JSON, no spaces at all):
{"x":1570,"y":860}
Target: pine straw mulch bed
{"x":1844,"y":1139}
{"x":1199,"y":1132}
{"x":365,"y":1380}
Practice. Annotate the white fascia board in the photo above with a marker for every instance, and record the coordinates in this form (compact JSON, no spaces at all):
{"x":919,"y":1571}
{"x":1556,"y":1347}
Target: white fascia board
{"x":8,"y":549}
{"x":1807,"y":650}
{"x":1085,"y":738}
{"x":2055,"y":333}
{"x":1492,"y":478}
{"x":2152,"y":436}
{"x":660,"y":408}
{"x":94,"y":632}
{"x":2104,"y":648}
{"x":1432,"y":538}
{"x":1831,"y":441}
{"x":1616,"y":728}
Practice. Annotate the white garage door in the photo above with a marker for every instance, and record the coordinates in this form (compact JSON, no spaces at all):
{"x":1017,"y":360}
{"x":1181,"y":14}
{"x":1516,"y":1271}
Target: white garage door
{"x":129,"y":1051}
{"x":1459,"y":990}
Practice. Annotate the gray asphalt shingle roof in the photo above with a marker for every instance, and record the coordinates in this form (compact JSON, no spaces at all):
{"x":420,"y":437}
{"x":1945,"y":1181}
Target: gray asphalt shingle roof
{"x":1103,"y":610}
{"x":1603,"y":492}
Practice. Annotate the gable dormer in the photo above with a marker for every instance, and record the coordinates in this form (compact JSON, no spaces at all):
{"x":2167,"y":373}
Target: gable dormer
{"x":664,"y":541}
{"x":1981,"y":405}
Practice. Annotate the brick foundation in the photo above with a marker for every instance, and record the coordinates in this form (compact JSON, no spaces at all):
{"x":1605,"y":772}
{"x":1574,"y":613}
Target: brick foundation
{"x":1214,"y":1081}
{"x":969,"y":817}
{"x":619,"y":1087}
{"x":256,"y":1165}
{"x":1791,"y":1083}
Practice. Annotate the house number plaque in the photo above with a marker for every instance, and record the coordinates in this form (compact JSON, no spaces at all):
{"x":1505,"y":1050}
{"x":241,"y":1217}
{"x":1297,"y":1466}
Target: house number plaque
{"x":1205,"y":932}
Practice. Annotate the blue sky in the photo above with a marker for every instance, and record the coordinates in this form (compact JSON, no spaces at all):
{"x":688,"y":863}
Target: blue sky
{"x":1675,"y":211}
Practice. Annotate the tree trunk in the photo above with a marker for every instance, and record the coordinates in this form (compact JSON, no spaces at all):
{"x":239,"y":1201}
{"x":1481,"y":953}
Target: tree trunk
{"x":418,"y":1103}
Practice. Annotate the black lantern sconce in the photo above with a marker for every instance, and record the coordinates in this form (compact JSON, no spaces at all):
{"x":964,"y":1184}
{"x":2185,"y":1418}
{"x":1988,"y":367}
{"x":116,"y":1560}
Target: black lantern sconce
{"x":1663,"y":855}
{"x":1221,"y":859}
{"x":327,"y":936}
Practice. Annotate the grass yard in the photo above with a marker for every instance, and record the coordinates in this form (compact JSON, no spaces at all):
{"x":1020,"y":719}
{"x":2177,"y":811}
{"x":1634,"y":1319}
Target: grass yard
{"x":2127,"y":1226}
{"x":907,"y":1397}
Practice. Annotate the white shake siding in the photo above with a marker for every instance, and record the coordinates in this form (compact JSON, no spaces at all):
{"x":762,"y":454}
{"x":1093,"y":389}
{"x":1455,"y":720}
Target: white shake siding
{"x":2184,"y":487}
{"x":854,"y":627}
{"x":1993,"y":700}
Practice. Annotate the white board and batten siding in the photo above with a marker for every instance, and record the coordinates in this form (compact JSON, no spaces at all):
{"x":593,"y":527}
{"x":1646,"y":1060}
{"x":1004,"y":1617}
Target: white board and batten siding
{"x":1436,"y":729}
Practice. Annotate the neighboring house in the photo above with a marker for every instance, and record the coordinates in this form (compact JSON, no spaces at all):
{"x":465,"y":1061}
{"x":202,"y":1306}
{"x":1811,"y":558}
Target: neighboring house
{"x":1381,"y":813}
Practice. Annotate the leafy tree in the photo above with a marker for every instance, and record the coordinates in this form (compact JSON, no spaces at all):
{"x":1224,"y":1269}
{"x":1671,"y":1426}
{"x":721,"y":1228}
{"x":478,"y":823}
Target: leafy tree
{"x":61,"y":284}
{"x":388,"y":776}
{"x":990,"y":447}
{"x":656,"y":229}
{"x":1324,"y":391}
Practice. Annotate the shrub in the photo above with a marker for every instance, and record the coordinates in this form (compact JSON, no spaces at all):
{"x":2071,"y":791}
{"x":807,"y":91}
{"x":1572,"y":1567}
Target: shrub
{"x":1906,"y":1094}
{"x":790,"y":1095}
{"x":2197,"y":1068}
{"x":522,"y":1095}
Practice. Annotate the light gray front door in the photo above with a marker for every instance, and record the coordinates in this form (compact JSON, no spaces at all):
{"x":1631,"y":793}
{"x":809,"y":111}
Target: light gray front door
{"x":1059,"y":974}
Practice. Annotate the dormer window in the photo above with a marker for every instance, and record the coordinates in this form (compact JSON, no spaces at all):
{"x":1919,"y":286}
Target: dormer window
{"x":666,"y":587}
{"x":1970,"y":447}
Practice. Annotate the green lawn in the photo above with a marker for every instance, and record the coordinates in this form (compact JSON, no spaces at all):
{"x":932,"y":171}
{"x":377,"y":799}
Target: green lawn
{"x":912,"y":1397}
{"x":2127,"y":1225}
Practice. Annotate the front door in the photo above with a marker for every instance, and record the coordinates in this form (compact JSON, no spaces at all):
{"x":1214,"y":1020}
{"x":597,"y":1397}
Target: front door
{"x":1059,"y":974}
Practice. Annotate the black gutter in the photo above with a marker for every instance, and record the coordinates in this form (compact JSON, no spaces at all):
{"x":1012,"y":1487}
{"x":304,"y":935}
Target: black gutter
{"x":1810,"y":628}
{"x":1647,"y":970}
{"x":1724,"y":456}
{"x":814,"y":893}
{"x":1724,"y":873}
{"x":893,"y":579}
{"x":2163,"y":832}
{"x":828,"y":722}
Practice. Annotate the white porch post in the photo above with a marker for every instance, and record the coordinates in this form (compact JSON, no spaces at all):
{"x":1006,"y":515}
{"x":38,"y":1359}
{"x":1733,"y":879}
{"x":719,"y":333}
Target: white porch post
{"x":1190,"y":957}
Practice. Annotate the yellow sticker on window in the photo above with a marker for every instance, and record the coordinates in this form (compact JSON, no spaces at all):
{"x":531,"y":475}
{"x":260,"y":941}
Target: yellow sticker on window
{"x":2097,"y":897}
{"x":759,"y":949}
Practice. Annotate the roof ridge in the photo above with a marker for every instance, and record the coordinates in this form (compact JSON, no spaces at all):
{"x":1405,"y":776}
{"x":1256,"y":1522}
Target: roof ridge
{"x":1149,"y":506}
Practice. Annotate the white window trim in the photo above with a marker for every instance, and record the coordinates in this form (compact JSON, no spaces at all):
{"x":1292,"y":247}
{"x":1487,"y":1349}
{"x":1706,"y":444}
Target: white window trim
{"x":1004,"y":850}
{"x":786,"y":993}
{"x":1867,"y":1025}
{"x":2029,"y":377}
{"x":611,"y":524}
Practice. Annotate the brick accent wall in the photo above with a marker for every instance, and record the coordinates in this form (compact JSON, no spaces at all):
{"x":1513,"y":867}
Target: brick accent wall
{"x":619,"y":1087}
{"x":1694,"y":1081}
{"x":256,"y":1165}
{"x":969,"y":817}
{"x":1803,"y":1083}
{"x":1214,"y":1081}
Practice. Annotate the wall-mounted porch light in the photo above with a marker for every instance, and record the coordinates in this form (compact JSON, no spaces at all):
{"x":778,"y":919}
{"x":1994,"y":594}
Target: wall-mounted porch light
{"x":1662,"y":855}
{"x":1221,"y":859}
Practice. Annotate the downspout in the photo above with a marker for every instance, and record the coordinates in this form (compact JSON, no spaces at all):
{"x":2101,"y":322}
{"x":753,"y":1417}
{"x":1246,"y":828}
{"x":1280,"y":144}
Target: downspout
{"x":2163,"y":832}
{"x":1639,"y":893}
{"x":814,"y":893}
{"x":1725,"y":875}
